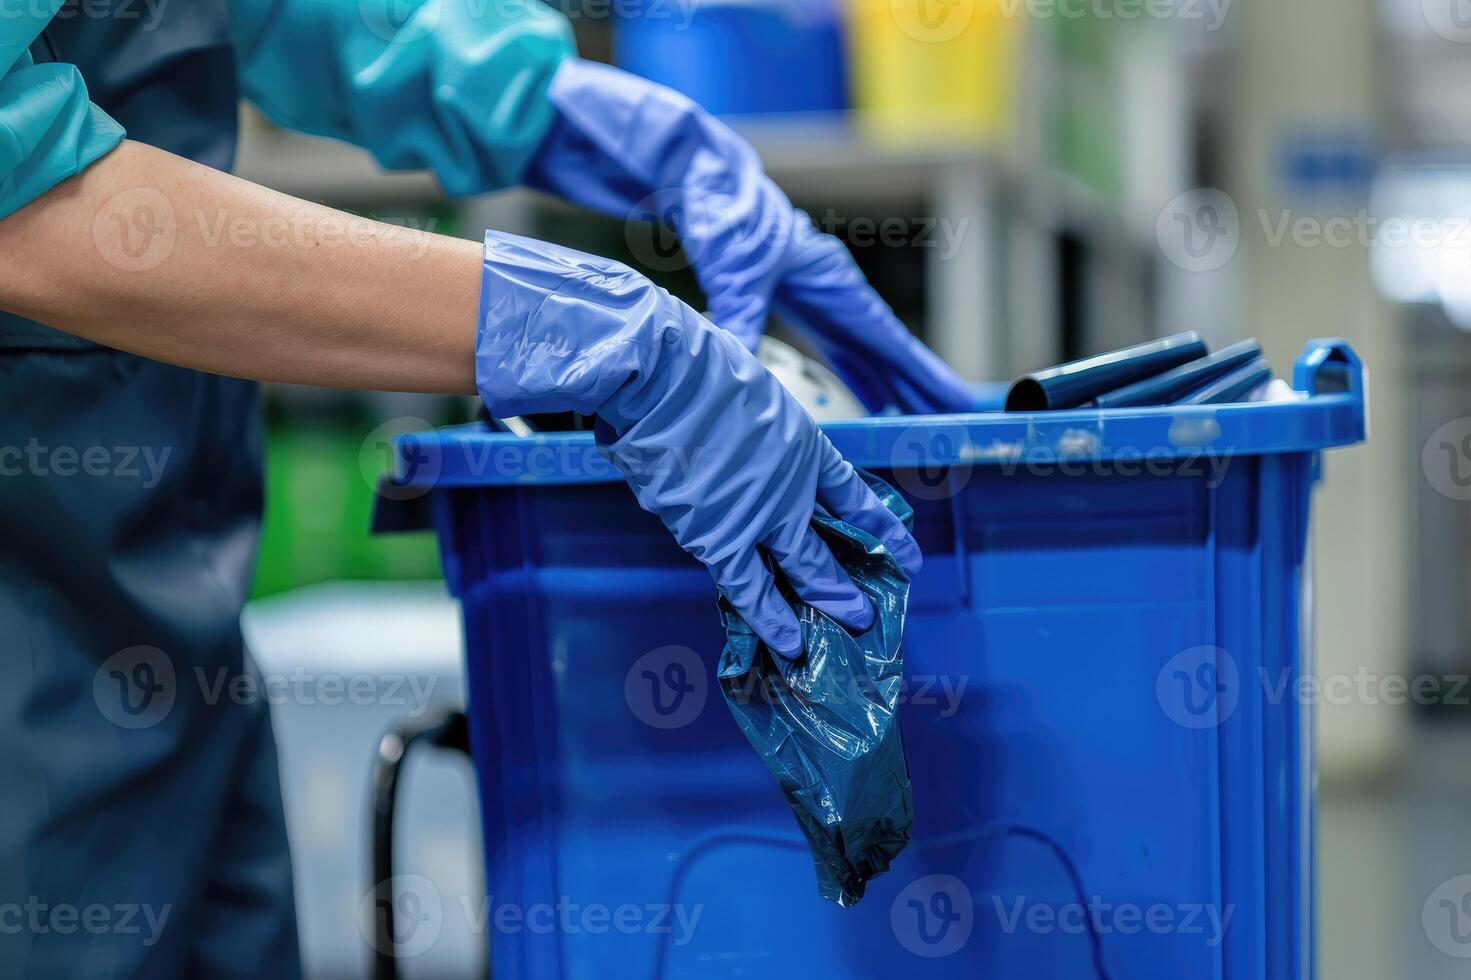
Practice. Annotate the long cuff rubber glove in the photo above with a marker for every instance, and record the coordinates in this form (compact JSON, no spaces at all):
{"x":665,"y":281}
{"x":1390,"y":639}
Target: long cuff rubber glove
{"x":49,"y":129}
{"x":627,"y":147}
{"x":457,"y":86}
{"x":707,"y":438}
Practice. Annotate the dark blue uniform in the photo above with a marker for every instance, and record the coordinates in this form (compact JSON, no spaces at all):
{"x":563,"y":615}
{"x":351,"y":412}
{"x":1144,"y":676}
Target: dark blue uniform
{"x":141,"y":832}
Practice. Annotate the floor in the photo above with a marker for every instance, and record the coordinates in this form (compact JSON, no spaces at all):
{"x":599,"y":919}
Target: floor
{"x":1393,"y":902}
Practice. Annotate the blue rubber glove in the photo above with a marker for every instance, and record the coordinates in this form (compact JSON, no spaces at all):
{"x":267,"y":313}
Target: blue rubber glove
{"x":707,"y":438}
{"x":624,"y":146}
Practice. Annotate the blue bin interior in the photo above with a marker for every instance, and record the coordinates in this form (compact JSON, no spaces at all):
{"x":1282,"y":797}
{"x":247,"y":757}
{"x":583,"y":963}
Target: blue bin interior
{"x":1068,"y":823}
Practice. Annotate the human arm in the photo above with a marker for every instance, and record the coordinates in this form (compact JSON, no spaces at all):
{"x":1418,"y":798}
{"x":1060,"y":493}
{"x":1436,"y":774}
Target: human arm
{"x":151,"y":253}
{"x":251,"y":283}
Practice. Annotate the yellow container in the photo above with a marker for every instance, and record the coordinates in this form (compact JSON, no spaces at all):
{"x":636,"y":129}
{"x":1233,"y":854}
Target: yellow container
{"x":926,"y":69}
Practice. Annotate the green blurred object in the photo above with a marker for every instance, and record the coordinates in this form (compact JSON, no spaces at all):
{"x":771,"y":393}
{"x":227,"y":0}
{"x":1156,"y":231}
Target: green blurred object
{"x":319,"y":503}
{"x":1088,"y":121}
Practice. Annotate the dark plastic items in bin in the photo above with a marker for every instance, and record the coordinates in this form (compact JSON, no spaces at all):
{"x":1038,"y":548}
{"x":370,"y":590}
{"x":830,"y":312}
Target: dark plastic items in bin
{"x":1162,"y":389}
{"x":1071,"y":385}
{"x":1233,"y":387}
{"x":827,"y":725}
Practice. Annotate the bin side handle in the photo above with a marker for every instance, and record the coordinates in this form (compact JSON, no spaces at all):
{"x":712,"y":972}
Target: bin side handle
{"x":447,"y":731}
{"x":1329,"y":366}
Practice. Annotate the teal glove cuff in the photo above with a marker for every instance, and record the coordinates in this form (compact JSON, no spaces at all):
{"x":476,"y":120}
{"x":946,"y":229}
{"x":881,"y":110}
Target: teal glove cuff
{"x":49,"y":131}
{"x":453,"y":86}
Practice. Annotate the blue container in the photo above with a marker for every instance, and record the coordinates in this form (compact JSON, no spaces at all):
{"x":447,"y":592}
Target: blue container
{"x":1111,"y":776}
{"x":738,"y":57}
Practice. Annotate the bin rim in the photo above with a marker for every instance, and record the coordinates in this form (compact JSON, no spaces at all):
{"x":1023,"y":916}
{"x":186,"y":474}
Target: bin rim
{"x":1327,"y":410}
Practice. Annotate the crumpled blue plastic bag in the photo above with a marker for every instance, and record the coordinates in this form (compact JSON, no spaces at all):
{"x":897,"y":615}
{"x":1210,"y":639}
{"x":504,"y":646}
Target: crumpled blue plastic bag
{"x":827,"y":725}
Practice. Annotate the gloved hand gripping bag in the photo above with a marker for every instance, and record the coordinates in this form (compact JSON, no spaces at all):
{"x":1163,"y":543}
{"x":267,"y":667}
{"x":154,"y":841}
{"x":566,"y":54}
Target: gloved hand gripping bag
{"x":827,"y":724}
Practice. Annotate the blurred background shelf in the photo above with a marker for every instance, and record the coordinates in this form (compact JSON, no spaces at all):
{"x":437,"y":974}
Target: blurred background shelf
{"x":988,"y":228}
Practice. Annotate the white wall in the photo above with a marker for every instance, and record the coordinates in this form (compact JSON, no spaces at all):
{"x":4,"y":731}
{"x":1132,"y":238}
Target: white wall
{"x":1304,"y":63}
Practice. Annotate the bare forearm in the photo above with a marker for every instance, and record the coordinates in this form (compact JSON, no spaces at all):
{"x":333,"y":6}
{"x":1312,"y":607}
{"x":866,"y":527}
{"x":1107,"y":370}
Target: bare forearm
{"x":150,"y":253}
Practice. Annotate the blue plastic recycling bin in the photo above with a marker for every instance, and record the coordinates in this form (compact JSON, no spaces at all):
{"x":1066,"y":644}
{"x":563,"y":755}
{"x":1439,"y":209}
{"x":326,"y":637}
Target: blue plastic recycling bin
{"x":1112,"y":777}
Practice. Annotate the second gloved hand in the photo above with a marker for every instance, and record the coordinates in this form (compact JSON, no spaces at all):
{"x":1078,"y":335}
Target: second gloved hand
{"x":625,"y":146}
{"x":707,"y":438}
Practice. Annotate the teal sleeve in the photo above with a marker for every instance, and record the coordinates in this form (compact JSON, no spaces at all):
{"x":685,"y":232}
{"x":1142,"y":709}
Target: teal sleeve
{"x":454,"y":86}
{"x":49,"y":129}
